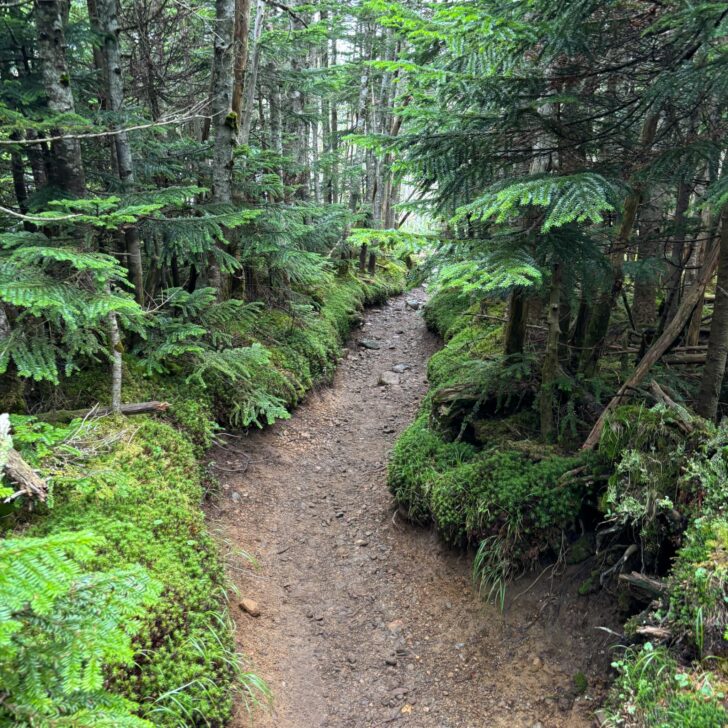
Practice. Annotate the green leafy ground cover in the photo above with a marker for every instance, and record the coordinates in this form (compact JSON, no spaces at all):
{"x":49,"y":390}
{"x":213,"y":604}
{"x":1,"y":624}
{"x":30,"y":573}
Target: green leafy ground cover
{"x":124,"y":527}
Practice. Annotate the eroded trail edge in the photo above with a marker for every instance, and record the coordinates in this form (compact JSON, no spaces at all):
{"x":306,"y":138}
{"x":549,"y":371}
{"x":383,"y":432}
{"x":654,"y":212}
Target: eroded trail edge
{"x":366,"y":620}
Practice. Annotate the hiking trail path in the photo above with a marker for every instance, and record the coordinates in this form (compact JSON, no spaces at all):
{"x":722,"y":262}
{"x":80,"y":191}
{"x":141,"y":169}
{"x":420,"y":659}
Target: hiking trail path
{"x":365,"y":619}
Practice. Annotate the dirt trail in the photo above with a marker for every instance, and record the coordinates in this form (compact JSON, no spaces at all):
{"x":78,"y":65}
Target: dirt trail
{"x":366,"y":620}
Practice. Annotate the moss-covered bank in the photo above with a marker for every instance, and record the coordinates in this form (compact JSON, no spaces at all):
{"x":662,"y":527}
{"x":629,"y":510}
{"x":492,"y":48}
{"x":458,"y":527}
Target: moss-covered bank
{"x":653,"y":499}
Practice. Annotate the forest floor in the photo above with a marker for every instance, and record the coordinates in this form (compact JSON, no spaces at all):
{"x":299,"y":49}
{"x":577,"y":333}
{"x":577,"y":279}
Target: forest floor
{"x":366,"y":620}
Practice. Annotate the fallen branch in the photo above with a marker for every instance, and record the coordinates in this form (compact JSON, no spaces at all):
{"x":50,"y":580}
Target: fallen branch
{"x":659,"y":633}
{"x":23,"y":475}
{"x":136,"y":408}
{"x":644,"y":585}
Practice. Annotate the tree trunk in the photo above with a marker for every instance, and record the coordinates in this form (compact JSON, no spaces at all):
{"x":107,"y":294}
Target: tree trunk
{"x":116,"y":360}
{"x":251,"y":75}
{"x":599,"y":324}
{"x":515,"y":333}
{"x":714,"y":371}
{"x":580,"y":328}
{"x":550,"y":367}
{"x":644,"y":303}
{"x":676,"y":259}
{"x":242,"y":28}
{"x":224,"y":120}
{"x":111,"y":56}
{"x":17,"y":170}
{"x":67,"y":170}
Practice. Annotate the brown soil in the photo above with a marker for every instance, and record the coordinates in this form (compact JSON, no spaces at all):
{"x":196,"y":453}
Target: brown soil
{"x":365,"y":619}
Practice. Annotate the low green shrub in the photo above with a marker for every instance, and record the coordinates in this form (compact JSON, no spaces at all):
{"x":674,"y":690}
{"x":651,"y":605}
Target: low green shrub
{"x":698,"y":595}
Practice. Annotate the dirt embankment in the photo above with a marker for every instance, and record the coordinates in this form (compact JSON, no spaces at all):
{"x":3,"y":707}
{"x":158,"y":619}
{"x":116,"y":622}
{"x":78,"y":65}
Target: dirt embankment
{"x":364,"y":619}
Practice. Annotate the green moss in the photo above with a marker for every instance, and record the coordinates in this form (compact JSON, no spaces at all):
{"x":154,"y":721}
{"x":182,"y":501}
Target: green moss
{"x":419,"y":456}
{"x":581,"y":684}
{"x":590,"y":585}
{"x":445,"y":312}
{"x":142,"y":495}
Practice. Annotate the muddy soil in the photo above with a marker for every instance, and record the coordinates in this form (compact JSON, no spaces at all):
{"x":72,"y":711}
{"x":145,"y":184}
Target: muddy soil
{"x":366,"y":620}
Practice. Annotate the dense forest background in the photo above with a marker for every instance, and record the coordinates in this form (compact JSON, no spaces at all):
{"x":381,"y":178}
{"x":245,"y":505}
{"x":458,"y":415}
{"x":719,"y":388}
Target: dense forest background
{"x":198,"y":201}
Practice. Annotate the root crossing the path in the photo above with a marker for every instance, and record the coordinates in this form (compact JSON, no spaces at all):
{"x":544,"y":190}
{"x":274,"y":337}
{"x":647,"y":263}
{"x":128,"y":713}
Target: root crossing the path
{"x":366,"y":620}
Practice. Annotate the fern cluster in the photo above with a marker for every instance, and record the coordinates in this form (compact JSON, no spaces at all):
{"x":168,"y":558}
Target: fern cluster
{"x":60,"y":626}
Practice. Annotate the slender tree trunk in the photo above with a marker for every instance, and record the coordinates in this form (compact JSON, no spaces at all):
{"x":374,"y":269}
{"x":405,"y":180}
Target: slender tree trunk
{"x":276,"y":126}
{"x":515,"y":333}
{"x":242,"y":30}
{"x":67,"y":170}
{"x":550,"y":367}
{"x":599,"y":324}
{"x":644,"y":303}
{"x":111,"y":56}
{"x":36,"y":153}
{"x":334,"y":146}
{"x":714,"y":371}
{"x":695,"y":263}
{"x":116,"y":365}
{"x":224,"y":121}
{"x":17,"y":171}
{"x":676,"y":258}
{"x":251,"y":75}
{"x":363,"y":258}
{"x":580,"y":327}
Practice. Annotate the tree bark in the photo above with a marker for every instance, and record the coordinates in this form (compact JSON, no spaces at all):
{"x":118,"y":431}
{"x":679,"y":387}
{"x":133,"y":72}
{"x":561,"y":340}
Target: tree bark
{"x":644,"y":302}
{"x":515,"y":333}
{"x":108,"y":21}
{"x":224,"y":120}
{"x":23,"y":475}
{"x":714,"y":371}
{"x":251,"y":75}
{"x":67,"y":170}
{"x":242,"y":30}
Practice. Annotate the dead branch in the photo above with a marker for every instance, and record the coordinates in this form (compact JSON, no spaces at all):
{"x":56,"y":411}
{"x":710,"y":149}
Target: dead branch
{"x":23,"y":475}
{"x":136,"y":408}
